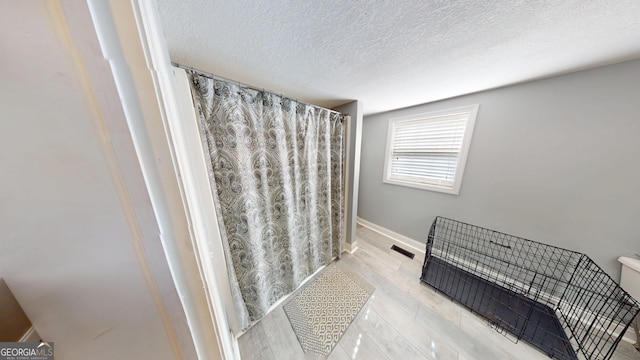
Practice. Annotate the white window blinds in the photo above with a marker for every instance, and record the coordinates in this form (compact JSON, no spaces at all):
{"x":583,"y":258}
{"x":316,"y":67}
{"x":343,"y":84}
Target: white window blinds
{"x":428,"y":150}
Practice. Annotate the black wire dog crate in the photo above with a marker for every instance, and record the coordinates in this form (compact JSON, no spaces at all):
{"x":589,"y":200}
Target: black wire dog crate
{"x":557,"y":300}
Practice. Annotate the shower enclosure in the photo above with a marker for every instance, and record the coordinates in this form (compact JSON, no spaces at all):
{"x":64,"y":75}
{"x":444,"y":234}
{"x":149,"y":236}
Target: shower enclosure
{"x":276,"y":169}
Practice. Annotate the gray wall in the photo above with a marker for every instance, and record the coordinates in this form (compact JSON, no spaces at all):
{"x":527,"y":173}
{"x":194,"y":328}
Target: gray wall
{"x":555,"y":160}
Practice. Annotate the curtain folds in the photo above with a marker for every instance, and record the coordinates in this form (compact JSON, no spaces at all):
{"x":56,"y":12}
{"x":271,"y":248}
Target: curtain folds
{"x":276,"y":166}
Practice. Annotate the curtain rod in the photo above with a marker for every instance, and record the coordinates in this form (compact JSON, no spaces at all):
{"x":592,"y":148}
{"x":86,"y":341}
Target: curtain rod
{"x":217,"y":77}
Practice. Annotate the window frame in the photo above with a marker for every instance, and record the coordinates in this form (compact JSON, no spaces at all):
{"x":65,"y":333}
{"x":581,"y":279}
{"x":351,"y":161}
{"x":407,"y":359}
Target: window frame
{"x":454,"y":189}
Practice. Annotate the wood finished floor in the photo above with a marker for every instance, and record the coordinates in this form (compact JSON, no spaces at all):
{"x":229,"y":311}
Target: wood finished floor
{"x":403,"y":320}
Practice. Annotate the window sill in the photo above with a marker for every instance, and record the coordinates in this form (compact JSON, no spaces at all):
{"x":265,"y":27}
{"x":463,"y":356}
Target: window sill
{"x":455,"y":190}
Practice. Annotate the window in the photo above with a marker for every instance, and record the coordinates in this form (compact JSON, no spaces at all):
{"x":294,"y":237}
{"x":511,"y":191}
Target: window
{"x":428,"y":151}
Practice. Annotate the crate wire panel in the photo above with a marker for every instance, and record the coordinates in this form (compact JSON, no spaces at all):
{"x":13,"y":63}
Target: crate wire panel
{"x":557,"y":300}
{"x":593,"y":307}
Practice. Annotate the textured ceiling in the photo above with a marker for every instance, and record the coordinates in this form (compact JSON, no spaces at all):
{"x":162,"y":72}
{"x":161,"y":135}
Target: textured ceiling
{"x":393,"y":54}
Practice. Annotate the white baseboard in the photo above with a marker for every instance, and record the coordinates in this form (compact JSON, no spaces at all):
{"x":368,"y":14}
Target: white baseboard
{"x":402,"y":241}
{"x":351,"y":247}
{"x":30,"y":336}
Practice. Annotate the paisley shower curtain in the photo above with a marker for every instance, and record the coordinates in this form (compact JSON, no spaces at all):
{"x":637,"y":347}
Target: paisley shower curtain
{"x":276,"y":167}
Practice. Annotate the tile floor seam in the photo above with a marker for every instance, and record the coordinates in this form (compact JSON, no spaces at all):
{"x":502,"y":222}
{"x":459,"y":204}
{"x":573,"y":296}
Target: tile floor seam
{"x":399,"y":331}
{"x":375,"y":343}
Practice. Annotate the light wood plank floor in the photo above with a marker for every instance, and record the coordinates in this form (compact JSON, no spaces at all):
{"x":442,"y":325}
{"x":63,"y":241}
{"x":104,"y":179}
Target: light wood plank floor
{"x":403,"y":320}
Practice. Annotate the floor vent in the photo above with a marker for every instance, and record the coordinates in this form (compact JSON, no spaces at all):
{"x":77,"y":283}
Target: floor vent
{"x":402,"y":251}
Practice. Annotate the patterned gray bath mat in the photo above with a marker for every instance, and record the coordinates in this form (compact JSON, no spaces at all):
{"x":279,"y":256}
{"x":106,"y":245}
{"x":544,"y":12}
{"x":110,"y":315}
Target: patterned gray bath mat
{"x":321,"y":312}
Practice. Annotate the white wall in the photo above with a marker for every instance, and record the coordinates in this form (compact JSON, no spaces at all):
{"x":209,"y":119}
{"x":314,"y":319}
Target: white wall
{"x":554,"y":160}
{"x":71,"y":249}
{"x":353,"y":145}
